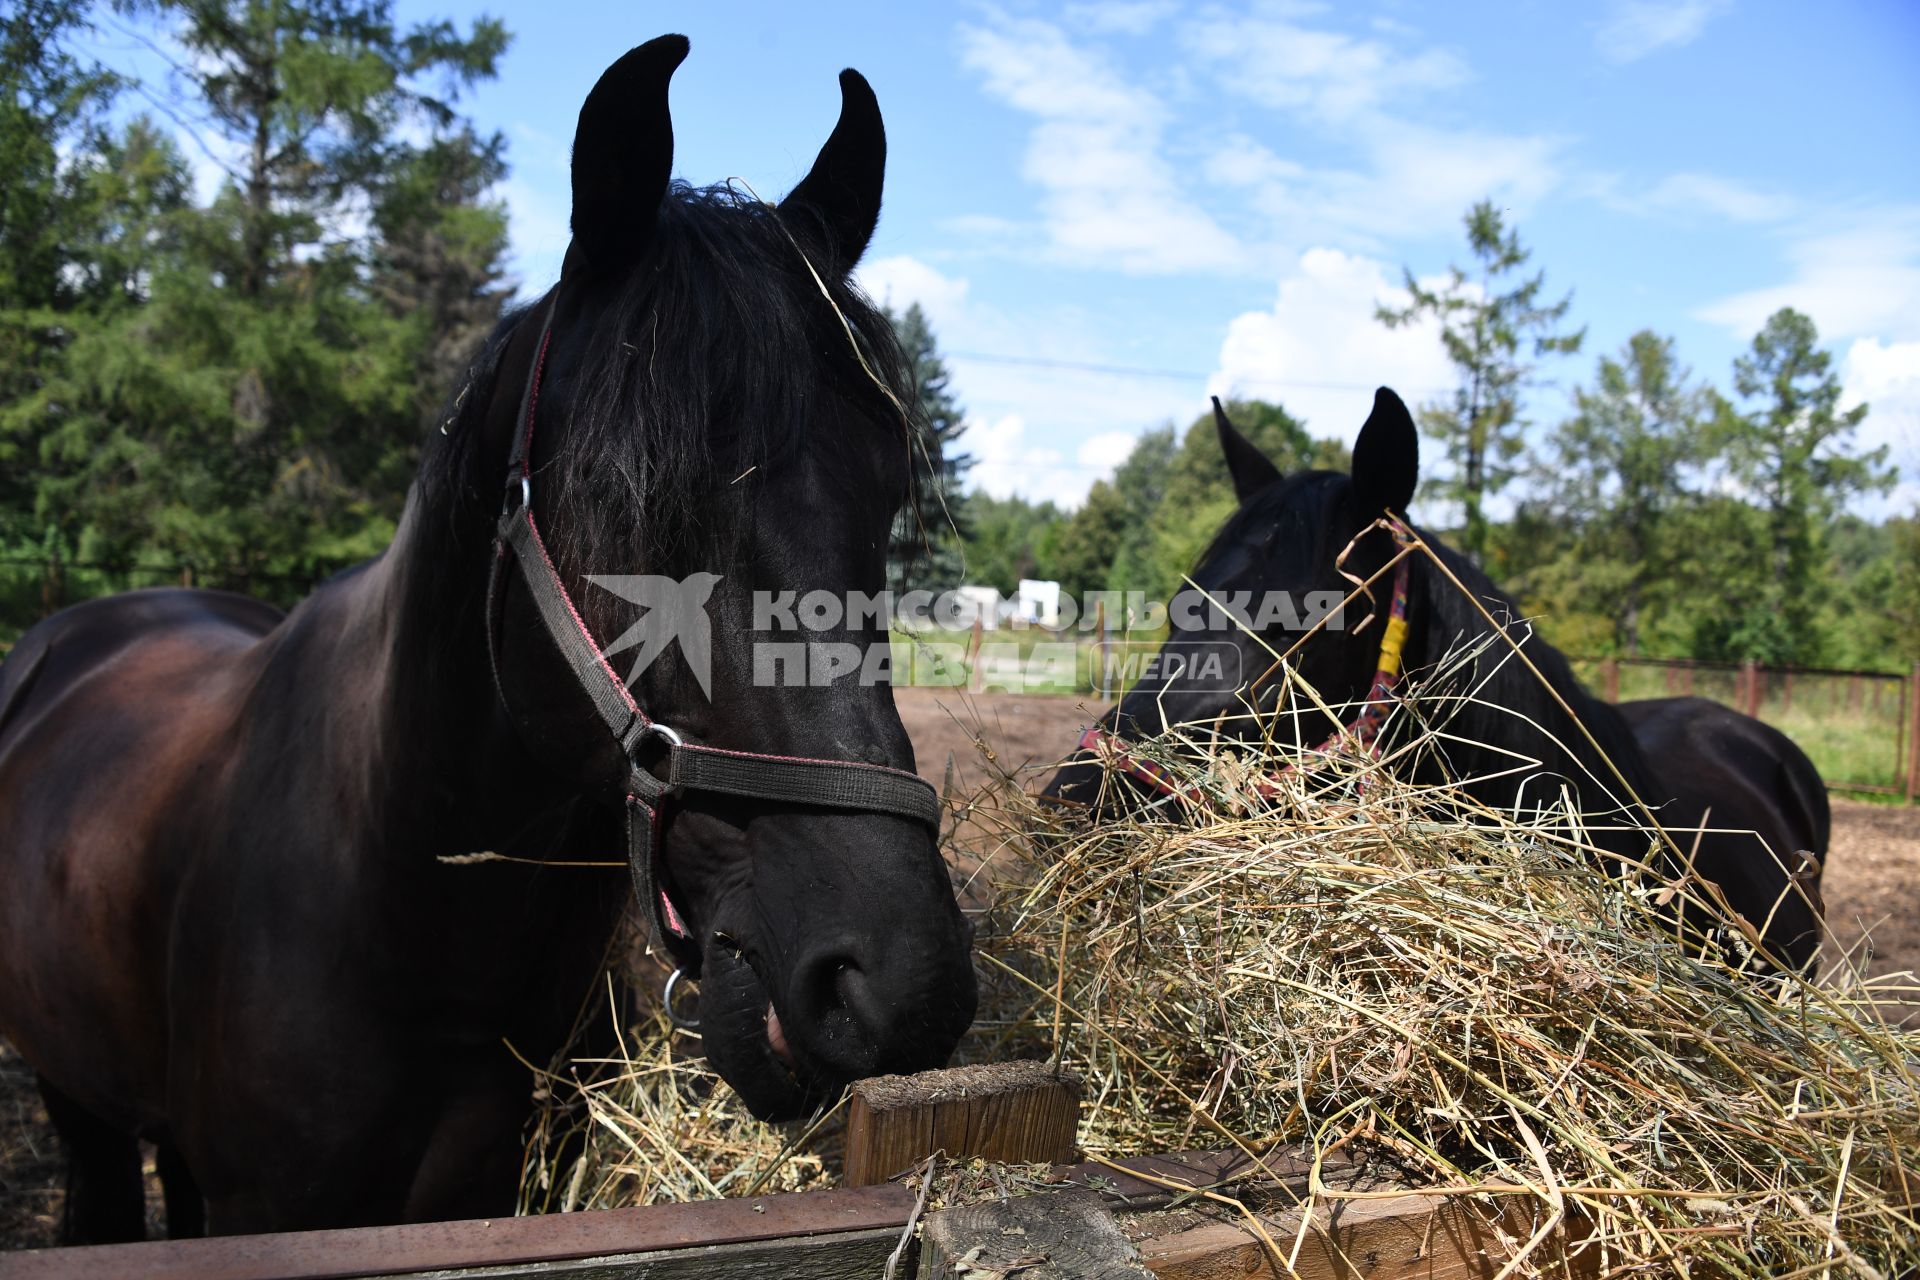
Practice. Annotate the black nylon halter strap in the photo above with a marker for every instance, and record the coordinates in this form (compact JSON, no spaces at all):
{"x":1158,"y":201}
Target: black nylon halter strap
{"x":792,"y":780}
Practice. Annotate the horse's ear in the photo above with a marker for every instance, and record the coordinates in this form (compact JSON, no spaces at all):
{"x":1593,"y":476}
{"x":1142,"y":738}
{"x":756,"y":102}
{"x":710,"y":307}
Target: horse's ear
{"x":1386,"y":457}
{"x":623,"y":157}
{"x":843,"y":187}
{"x":1251,"y":469}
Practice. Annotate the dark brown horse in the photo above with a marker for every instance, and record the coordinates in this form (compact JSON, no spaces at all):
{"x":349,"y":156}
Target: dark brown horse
{"x":230,"y":924}
{"x":1739,"y":798}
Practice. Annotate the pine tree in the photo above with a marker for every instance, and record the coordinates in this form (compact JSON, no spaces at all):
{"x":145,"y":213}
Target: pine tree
{"x":1484,"y":331}
{"x":1791,"y":452}
{"x":929,"y":538}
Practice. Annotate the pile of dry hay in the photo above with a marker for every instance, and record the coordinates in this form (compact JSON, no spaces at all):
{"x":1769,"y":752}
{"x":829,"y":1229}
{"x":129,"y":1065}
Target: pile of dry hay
{"x":1355,"y":964}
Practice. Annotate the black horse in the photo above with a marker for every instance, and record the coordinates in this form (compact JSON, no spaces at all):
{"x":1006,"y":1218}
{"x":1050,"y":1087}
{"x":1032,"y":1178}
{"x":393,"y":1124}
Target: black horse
{"x":240,"y":916}
{"x":1740,"y":800}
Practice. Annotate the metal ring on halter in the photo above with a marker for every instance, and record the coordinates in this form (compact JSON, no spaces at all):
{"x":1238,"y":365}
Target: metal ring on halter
{"x":526,"y":494}
{"x":655,"y":729}
{"x":689,"y":1025}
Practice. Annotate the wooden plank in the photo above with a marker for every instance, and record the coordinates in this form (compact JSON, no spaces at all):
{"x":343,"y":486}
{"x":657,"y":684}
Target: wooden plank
{"x":1061,"y":1235}
{"x":1011,"y":1112}
{"x":1411,"y":1237}
{"x":1142,"y":1182}
{"x":449,"y":1246}
{"x":829,"y":1257}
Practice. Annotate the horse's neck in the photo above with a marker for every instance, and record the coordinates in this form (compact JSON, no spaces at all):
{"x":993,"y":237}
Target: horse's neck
{"x":1585,"y":754}
{"x":400,"y":651}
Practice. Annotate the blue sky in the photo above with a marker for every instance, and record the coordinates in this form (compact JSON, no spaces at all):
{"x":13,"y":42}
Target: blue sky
{"x":1222,"y":191}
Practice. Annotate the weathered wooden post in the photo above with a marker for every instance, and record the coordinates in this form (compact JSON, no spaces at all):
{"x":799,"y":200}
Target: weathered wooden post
{"x":1786,"y":691}
{"x":1687,"y":680}
{"x":1750,"y":694}
{"x":1610,"y":678}
{"x":1013,"y":1112}
{"x":973,"y":656}
{"x":1913,"y":733}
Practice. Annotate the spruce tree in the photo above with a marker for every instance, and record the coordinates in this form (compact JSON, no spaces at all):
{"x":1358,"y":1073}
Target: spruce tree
{"x":253,"y":413}
{"x":927,"y":549}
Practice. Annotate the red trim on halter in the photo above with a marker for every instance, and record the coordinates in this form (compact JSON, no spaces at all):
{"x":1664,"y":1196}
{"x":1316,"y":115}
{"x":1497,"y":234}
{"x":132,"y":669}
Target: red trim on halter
{"x":1359,"y":734}
{"x":897,"y":791}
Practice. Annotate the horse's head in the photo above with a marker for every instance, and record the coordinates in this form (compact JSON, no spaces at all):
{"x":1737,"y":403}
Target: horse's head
{"x":1268,"y":576}
{"x":716,"y":447}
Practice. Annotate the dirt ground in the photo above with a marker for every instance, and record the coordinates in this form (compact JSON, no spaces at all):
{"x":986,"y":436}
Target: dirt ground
{"x":1872,"y":888}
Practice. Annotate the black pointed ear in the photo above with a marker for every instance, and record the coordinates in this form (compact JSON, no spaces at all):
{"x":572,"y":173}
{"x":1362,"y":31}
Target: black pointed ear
{"x":843,"y":188}
{"x":1386,"y":457}
{"x":1251,"y":470}
{"x":623,"y":157}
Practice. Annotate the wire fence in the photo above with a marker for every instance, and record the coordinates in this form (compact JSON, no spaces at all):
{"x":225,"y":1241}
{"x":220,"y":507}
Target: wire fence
{"x":1859,"y":727}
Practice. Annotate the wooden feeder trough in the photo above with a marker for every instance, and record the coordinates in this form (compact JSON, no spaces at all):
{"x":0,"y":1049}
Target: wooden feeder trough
{"x":1179,"y":1216}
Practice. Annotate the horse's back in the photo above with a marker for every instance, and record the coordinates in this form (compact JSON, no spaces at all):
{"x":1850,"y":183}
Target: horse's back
{"x":1765,"y":758}
{"x":113,"y":717}
{"x":1746,"y":803}
{"x":79,"y":642}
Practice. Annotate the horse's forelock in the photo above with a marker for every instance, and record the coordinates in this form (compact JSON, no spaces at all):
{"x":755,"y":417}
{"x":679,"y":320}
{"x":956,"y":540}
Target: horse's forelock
{"x":724,"y":351}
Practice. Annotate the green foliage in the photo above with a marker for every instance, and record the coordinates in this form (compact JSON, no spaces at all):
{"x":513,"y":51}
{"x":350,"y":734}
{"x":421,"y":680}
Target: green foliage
{"x":1616,"y":473}
{"x":930,"y":536}
{"x":1484,"y":331}
{"x":1083,"y":554}
{"x":1790,"y":453}
{"x":240,"y":389}
{"x":1142,"y":530}
{"x":1011,"y":539}
{"x":50,"y":102}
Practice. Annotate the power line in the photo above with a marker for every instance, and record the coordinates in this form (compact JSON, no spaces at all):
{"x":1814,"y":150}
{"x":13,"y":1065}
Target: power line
{"x":1176,"y":375}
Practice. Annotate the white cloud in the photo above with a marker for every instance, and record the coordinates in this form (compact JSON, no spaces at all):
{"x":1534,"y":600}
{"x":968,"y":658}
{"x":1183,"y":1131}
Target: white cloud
{"x":1042,"y":431}
{"x":1320,"y":352}
{"x":1109,"y":197}
{"x":1106,"y":451}
{"x":1122,"y":17}
{"x":1636,"y":28}
{"x":1406,"y":177}
{"x":900,"y":281}
{"x":1861,"y":279}
{"x":1416,"y":183}
{"x":1693,"y":193}
{"x":1005,"y":462}
{"x":1279,"y":63}
{"x":1886,"y":377}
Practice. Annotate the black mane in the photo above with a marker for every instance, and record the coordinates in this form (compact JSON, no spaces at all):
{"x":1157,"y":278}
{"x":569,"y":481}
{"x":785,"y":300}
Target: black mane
{"x":1510,"y":691}
{"x":708,"y":361}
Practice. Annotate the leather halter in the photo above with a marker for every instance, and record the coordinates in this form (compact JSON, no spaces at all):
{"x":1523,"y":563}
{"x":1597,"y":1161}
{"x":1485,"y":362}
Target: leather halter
{"x":684,"y":766}
{"x":1361,"y":734}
